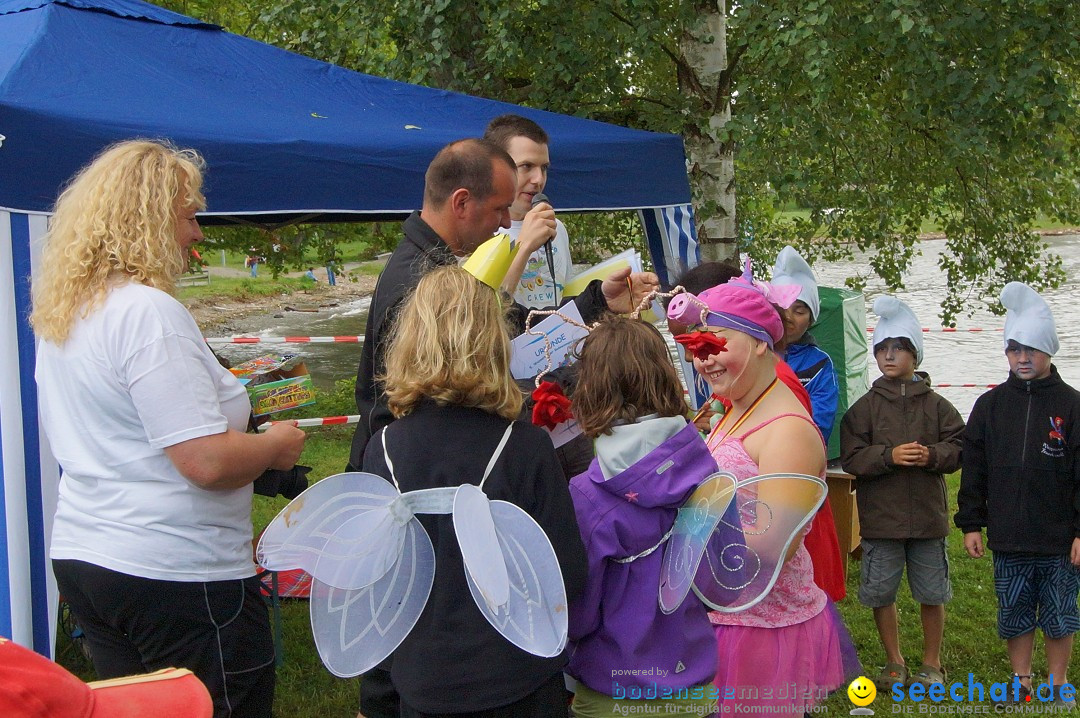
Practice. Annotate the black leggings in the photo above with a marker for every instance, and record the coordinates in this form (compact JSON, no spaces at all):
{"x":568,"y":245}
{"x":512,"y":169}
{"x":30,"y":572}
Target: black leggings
{"x":219,"y":630}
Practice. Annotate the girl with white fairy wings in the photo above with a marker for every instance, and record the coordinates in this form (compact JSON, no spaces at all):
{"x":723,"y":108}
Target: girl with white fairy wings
{"x":448,"y":382}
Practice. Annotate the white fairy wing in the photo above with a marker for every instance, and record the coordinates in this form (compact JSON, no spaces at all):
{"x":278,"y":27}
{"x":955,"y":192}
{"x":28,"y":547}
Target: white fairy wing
{"x":749,"y":546}
{"x":533,"y":616}
{"x":476,"y":536}
{"x":356,"y":629}
{"x":341,"y":527}
{"x":694,"y":525}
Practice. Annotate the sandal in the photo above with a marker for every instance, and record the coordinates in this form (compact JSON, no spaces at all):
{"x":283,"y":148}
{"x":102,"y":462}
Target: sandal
{"x":928,"y":676}
{"x":891,"y":674}
{"x":1022,"y":694}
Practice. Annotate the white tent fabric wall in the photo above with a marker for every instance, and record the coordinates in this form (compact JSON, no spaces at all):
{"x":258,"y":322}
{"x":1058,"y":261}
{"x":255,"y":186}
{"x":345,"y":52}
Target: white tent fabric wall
{"x":29,"y":474}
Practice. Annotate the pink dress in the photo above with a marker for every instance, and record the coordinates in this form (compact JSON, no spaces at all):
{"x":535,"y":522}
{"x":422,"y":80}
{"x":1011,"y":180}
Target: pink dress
{"x":790,"y":650}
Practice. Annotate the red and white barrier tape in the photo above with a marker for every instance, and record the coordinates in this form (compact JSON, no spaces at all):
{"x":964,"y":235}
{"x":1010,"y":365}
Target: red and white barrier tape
{"x":319,"y":421}
{"x":284,"y":340}
{"x":360,"y":340}
{"x":963,"y":386}
{"x":951,"y":330}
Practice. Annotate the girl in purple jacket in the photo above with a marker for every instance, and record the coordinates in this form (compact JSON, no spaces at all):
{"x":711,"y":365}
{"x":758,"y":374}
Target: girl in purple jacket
{"x":624,"y":649}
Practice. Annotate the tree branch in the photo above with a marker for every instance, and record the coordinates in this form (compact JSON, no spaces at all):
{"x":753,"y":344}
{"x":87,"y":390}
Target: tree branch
{"x":683,"y":68}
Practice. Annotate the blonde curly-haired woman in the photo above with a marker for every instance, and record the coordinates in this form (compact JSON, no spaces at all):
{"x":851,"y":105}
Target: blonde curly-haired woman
{"x":151,"y":544}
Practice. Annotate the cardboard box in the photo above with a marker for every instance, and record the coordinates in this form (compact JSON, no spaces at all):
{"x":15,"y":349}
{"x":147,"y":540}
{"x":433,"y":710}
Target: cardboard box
{"x":275,"y":382}
{"x":272,"y":397}
{"x":270,"y":367}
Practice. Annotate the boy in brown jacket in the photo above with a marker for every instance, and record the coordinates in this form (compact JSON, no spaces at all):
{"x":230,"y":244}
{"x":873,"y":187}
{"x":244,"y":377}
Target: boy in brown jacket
{"x":899,"y":440}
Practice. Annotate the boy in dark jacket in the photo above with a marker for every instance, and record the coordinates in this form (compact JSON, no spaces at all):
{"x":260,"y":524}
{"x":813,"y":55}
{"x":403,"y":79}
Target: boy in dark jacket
{"x":899,"y":440}
{"x":1020,"y":479}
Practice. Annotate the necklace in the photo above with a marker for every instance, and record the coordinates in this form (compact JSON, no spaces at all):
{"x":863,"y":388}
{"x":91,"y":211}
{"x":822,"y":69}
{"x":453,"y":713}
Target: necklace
{"x":741,"y":419}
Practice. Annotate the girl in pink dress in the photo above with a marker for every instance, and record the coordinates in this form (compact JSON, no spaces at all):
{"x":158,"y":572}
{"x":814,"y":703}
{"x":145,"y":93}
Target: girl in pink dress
{"x":786,"y":653}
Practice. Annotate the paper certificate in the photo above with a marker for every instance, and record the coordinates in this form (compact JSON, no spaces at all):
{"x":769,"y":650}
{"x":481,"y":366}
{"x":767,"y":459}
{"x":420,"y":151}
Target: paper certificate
{"x":527,"y":352}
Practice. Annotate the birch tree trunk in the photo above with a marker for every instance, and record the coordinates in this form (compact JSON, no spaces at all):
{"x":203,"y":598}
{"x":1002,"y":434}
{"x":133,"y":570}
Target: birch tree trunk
{"x":712,"y":169}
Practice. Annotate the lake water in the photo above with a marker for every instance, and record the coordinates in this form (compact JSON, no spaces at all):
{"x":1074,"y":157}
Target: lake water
{"x":972,"y":357}
{"x":960,"y":358}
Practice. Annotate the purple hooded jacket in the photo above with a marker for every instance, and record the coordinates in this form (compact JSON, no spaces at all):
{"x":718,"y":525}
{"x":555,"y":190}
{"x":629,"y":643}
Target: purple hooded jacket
{"x":618,"y":633}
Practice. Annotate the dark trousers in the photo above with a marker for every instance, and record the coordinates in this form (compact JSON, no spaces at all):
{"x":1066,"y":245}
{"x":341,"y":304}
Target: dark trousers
{"x":378,"y":697}
{"x":219,"y":630}
{"x":547,"y":701}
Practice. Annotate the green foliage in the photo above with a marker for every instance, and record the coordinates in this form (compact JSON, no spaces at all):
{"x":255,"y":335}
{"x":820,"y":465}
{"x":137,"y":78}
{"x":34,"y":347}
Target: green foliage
{"x":298,"y":246}
{"x":900,"y":112}
{"x":597,"y":236}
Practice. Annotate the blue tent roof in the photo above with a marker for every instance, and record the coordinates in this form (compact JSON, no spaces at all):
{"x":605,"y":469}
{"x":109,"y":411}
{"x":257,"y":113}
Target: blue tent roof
{"x":283,"y":134}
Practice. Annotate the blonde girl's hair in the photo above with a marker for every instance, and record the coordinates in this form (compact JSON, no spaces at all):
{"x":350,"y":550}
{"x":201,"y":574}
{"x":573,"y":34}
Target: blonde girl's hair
{"x":451,"y":345}
{"x":115,"y":220}
{"x":624,"y":372}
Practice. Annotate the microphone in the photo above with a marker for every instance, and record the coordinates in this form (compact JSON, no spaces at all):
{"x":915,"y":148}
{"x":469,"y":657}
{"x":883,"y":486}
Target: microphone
{"x":540,"y":198}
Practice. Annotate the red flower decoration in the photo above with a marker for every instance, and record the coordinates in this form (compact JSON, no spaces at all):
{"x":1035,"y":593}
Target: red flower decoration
{"x":702,"y":344}
{"x":552,"y":407}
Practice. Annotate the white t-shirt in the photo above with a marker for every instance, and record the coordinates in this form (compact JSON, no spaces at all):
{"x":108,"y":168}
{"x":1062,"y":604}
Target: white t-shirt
{"x":132,"y":379}
{"x":534,"y":290}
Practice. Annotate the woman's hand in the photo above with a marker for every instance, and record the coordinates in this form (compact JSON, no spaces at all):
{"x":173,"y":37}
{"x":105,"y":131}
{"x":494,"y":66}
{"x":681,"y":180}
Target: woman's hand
{"x":289,"y":444}
{"x":233,"y":459}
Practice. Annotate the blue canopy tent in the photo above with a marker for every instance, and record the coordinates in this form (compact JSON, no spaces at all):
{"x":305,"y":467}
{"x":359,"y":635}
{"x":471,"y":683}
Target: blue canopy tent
{"x":286,"y":138}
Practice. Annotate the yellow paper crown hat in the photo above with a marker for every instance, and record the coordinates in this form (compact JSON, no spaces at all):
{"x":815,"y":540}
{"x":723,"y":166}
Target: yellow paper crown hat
{"x":491,"y":260}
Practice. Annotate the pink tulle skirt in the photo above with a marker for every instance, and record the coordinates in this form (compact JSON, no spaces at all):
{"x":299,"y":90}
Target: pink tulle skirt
{"x":788,"y":669}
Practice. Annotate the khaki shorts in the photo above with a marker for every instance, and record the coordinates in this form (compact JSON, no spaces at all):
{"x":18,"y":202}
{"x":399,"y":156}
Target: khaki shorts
{"x":883,"y":562}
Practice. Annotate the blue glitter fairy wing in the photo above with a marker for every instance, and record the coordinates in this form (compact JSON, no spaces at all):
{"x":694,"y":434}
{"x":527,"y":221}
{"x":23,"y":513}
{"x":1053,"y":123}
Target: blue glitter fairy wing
{"x":744,"y":555}
{"x":695,"y":524}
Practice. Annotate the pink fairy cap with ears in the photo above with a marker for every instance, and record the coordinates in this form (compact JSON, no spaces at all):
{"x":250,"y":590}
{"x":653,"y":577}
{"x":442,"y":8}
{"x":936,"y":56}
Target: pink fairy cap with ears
{"x":741,"y":304}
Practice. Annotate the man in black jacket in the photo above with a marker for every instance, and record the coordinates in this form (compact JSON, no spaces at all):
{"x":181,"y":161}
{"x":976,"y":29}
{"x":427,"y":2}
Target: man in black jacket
{"x":468,"y":190}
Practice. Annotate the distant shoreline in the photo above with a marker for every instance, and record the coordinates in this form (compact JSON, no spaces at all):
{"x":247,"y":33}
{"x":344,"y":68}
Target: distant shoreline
{"x":1051,"y":232}
{"x":214,"y":314}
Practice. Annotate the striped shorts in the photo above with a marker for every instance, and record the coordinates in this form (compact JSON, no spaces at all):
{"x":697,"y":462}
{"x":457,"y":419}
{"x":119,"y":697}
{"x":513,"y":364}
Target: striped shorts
{"x":1036,"y":590}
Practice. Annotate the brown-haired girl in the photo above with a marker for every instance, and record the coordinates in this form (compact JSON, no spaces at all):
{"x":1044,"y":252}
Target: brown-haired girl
{"x":448,"y":383}
{"x":648,"y":461}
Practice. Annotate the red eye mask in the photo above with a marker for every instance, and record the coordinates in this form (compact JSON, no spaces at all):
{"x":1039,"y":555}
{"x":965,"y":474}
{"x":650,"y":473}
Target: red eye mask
{"x":702,"y":344}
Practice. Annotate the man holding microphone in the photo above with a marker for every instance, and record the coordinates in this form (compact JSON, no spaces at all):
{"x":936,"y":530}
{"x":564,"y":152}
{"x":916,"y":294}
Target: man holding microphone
{"x":542,"y":265}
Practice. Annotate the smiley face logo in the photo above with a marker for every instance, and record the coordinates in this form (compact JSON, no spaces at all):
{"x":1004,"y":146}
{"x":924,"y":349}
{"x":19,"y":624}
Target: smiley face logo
{"x":862,"y":692}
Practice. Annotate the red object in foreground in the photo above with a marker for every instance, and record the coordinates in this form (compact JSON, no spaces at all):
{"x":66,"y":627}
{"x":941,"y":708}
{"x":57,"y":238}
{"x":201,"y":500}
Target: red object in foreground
{"x":552,"y":407}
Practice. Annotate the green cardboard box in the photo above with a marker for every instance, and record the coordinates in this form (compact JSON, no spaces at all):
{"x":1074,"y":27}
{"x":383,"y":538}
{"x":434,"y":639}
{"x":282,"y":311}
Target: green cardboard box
{"x":274,"y":396}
